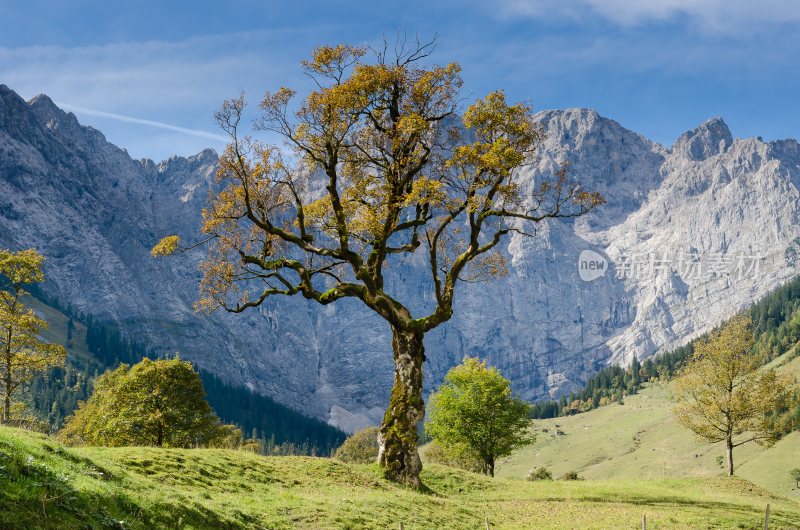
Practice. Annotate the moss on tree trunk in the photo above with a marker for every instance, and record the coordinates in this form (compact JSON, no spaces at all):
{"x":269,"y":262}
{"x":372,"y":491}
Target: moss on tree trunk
{"x":398,"y":437}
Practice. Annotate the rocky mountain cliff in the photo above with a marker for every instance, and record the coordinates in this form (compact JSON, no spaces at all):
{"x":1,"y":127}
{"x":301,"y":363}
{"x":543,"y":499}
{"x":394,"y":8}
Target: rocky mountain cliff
{"x":689,"y":236}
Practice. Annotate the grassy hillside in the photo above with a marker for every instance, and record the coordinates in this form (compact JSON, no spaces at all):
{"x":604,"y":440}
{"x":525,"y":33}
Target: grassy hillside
{"x":56,"y":331}
{"x":641,"y":439}
{"x":47,"y":486}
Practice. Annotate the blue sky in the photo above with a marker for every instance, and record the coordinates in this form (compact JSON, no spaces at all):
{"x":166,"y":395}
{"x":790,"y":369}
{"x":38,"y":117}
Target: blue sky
{"x":659,"y":67}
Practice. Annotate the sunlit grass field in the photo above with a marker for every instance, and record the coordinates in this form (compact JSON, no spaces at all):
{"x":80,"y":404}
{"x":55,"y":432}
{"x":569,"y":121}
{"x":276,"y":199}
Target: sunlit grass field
{"x":44,"y":485}
{"x":635,"y":458}
{"x":641,"y":440}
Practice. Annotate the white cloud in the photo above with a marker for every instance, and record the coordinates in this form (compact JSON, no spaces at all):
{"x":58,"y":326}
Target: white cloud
{"x":718,"y":16}
{"x":181,"y":82}
{"x":145,"y":76}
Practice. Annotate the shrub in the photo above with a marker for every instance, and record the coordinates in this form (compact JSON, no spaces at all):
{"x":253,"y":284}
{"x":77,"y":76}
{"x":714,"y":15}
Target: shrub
{"x":475,"y":412}
{"x":152,"y":403}
{"x":463,"y":460}
{"x":540,"y":473}
{"x":20,"y":415}
{"x":226,"y":436}
{"x":795,"y":473}
{"x":570,"y":475}
{"x":360,"y":448}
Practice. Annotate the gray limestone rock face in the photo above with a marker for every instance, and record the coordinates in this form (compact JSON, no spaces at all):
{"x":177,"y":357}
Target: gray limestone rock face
{"x":689,"y":235}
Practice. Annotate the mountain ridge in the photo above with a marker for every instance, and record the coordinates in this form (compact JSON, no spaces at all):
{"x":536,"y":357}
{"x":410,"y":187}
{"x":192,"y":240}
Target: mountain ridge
{"x":95,"y":213}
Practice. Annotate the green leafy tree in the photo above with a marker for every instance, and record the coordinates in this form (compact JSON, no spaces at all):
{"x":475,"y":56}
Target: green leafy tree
{"x":22,"y":353}
{"x":155,"y":403}
{"x":466,"y":460}
{"x":382,"y":135}
{"x":795,"y":473}
{"x":475,"y":412}
{"x":361,"y":447}
{"x":724,"y":397}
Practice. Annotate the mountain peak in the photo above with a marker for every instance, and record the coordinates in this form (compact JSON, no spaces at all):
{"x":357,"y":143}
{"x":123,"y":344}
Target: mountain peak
{"x":10,"y":102}
{"x":16,"y":119}
{"x":43,"y":102}
{"x":578,"y":124}
{"x":50,"y":115}
{"x":584,"y":116}
{"x":708,"y":139}
{"x":4,"y":90}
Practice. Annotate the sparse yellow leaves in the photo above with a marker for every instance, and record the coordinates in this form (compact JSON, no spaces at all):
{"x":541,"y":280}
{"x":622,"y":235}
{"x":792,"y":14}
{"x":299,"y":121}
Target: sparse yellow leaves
{"x":22,"y":352}
{"x":22,"y":267}
{"x":437,"y":79}
{"x":368,"y":80}
{"x":589,"y":199}
{"x":425,"y":191}
{"x":277,"y":100}
{"x":724,"y":396}
{"x":380,"y":167}
{"x":330,"y":60}
{"x":363,"y":208}
{"x":166,"y":246}
{"x":504,"y":136}
{"x":487,"y":267}
{"x":412,"y":124}
{"x":219,"y":272}
{"x":492,"y":115}
{"x":319,"y":212}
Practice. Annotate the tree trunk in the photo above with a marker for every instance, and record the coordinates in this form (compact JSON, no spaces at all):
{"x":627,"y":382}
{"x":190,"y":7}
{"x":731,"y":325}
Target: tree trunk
{"x":490,"y":466}
{"x":7,"y":405}
{"x":729,"y":444}
{"x":398,"y":437}
{"x":7,"y":377}
{"x":7,"y":385}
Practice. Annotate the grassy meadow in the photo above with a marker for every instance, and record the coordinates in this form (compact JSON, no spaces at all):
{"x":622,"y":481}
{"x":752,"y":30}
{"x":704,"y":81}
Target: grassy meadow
{"x":45,"y":485}
{"x":641,"y":440}
{"x":634,"y":459}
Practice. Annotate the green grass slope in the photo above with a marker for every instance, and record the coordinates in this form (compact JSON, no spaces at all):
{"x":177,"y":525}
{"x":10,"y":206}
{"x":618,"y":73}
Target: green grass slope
{"x":56,"y":331}
{"x":44,"y":485}
{"x":641,"y":440}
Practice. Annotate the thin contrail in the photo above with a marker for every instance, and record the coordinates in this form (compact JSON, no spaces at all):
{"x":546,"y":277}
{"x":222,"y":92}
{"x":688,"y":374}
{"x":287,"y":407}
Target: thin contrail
{"x":140,"y":121}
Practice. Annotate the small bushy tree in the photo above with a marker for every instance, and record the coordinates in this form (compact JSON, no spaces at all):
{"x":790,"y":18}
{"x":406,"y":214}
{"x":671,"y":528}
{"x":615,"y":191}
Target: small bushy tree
{"x":724,"y":397}
{"x":22,"y":352}
{"x":539,"y":473}
{"x":23,"y":417}
{"x":795,"y":473}
{"x":153,"y":403}
{"x":466,"y":460}
{"x":360,"y":448}
{"x":474,"y":411}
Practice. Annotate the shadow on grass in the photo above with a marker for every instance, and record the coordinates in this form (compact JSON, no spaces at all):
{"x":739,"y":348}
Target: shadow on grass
{"x":35,"y":496}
